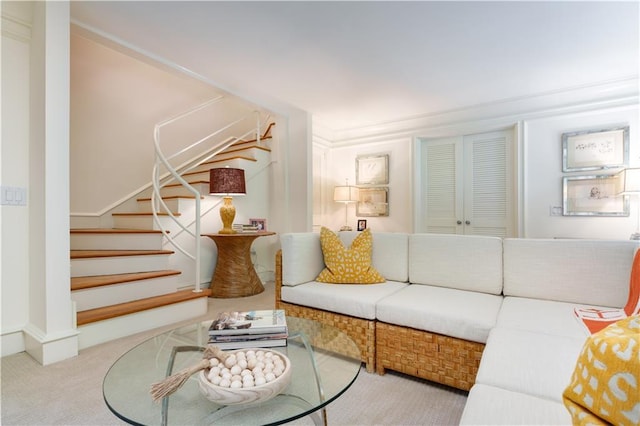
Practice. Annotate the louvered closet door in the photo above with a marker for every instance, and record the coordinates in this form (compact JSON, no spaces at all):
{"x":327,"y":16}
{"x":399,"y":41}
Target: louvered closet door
{"x":486,"y":181}
{"x":442,"y":186}
{"x":466,"y":185}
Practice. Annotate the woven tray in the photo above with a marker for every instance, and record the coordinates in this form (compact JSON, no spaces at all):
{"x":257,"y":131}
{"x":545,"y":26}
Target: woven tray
{"x":443,"y":359}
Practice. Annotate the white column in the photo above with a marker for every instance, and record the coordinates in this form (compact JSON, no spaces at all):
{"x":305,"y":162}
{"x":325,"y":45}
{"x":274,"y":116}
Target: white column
{"x":50,"y":335}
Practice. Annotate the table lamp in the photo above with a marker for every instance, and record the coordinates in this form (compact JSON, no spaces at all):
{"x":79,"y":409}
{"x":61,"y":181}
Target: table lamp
{"x":629,"y":184}
{"x":227,"y":182}
{"x":346,"y":194}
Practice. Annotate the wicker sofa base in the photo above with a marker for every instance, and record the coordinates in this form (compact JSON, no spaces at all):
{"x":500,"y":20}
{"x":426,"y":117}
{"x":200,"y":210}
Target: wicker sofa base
{"x":443,"y":359}
{"x":360,"y":330}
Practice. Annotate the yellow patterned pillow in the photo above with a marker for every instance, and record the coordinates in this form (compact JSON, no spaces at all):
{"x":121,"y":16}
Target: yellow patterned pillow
{"x":604,"y":388}
{"x":348,"y":266}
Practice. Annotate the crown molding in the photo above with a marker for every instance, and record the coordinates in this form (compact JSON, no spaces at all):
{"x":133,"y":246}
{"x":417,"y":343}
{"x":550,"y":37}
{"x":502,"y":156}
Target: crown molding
{"x":616,"y":93}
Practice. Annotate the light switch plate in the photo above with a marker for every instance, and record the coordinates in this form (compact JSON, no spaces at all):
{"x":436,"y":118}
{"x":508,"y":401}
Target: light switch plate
{"x":13,"y":196}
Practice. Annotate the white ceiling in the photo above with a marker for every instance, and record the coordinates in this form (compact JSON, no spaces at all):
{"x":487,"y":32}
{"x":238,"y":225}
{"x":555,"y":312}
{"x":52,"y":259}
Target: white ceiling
{"x":353,"y":64}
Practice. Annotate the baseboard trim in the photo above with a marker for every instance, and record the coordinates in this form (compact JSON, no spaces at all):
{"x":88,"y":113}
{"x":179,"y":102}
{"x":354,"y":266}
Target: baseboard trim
{"x":50,"y":348}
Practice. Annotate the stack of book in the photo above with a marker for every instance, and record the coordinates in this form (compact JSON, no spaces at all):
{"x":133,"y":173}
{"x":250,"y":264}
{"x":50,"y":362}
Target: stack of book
{"x":242,"y":228}
{"x":251,"y":329}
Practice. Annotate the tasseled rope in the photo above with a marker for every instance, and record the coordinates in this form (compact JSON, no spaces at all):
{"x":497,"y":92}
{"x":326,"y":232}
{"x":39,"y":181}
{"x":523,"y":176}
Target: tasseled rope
{"x":172,"y":383}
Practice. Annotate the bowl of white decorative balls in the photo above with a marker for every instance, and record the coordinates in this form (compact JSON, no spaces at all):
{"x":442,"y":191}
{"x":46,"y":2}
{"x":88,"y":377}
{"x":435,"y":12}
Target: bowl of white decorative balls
{"x":245,"y":376}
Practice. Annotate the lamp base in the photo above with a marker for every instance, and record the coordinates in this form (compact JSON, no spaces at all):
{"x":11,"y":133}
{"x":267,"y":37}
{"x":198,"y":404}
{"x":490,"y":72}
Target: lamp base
{"x":227,"y":214}
{"x":346,"y":228}
{"x":227,"y":231}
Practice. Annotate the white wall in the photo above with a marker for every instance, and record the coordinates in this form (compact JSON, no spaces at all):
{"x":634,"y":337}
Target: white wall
{"x":342,"y":165}
{"x":116,"y":100}
{"x":538,"y":157}
{"x":543,"y":175}
{"x":14,"y":169}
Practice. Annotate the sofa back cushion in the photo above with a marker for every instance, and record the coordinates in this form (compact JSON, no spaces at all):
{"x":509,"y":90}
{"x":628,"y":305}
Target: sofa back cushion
{"x":592,"y":272}
{"x":463,"y":262}
{"x":390,"y":255}
{"x":302,"y":259}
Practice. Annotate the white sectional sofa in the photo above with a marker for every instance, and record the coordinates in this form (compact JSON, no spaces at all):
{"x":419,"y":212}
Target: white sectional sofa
{"x":489,"y":315}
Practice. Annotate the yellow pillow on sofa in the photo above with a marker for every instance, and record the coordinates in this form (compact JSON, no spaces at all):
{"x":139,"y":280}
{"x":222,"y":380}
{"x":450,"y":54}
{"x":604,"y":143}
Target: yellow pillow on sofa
{"x":604,"y":387}
{"x":348,"y":265}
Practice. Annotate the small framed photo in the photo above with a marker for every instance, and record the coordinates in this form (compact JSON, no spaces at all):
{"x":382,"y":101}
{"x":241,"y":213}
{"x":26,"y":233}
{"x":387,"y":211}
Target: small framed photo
{"x":362,"y":224}
{"x":373,"y":202}
{"x":260,"y":223}
{"x":593,"y":196}
{"x":595,"y":149}
{"x":372,"y":169}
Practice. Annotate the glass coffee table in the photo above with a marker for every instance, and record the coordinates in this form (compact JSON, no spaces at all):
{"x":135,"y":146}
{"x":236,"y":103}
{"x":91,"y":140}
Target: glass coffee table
{"x":325,"y":362}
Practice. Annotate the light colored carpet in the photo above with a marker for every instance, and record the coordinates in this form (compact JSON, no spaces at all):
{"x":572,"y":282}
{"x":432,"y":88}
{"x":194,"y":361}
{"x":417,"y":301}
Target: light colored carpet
{"x":70,"y":392}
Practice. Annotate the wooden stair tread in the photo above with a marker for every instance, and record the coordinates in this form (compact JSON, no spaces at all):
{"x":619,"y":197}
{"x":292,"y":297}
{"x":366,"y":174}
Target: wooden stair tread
{"x":107,"y":312}
{"x":144,"y":214}
{"x":235,"y":157}
{"x":251,"y":143}
{"x":87,"y":254}
{"x":113,"y":231}
{"x":235,"y":148}
{"x":172,"y":197}
{"x":190,"y":183}
{"x":81,"y":283}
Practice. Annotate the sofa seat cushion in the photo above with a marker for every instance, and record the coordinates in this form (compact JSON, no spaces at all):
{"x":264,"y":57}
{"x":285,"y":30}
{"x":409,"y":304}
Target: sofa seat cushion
{"x":533,"y":363}
{"x":542,"y":316}
{"x":489,"y":405}
{"x":347,"y":299}
{"x":461,"y":314}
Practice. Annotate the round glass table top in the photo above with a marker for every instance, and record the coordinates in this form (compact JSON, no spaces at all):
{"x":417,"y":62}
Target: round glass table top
{"x":324,"y":360}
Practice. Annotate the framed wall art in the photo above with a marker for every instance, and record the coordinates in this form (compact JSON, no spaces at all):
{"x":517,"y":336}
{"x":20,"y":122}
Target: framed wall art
{"x":593,"y":196}
{"x":372,"y":169}
{"x":595,"y":149}
{"x":373,"y":202}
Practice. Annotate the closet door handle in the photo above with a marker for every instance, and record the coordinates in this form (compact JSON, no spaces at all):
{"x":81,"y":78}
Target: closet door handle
{"x":459,"y":222}
{"x":467,"y":222}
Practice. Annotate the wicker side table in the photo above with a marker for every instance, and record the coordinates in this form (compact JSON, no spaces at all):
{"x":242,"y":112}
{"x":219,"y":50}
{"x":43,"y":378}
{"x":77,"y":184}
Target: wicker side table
{"x":235,"y":275}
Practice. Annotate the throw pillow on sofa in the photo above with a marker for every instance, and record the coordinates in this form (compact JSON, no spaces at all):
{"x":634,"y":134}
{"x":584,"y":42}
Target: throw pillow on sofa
{"x":605,"y":386}
{"x":348,"y":265}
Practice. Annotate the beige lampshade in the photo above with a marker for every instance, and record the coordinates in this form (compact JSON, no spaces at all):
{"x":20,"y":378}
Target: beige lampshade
{"x":345,"y":194}
{"x":629,"y":182}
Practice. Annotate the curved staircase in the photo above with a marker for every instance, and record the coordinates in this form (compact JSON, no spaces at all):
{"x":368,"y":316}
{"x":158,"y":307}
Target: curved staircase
{"x":122,"y":278}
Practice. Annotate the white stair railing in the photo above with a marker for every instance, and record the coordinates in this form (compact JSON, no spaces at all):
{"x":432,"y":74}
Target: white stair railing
{"x":174,"y":174}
